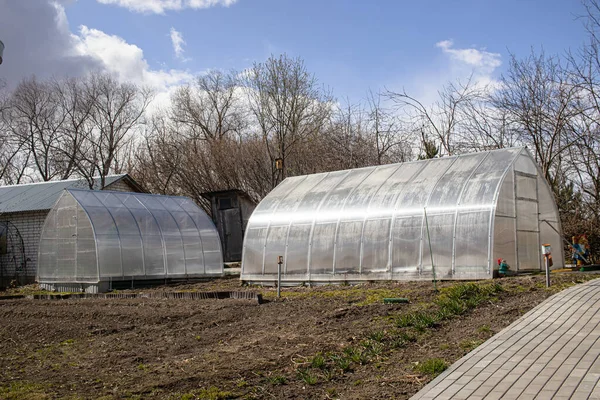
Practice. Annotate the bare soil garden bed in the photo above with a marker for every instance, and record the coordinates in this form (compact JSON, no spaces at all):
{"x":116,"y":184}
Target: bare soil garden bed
{"x":323,"y":342}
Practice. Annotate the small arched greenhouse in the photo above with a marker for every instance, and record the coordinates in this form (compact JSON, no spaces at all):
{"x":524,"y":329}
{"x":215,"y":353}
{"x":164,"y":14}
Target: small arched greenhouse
{"x":97,"y":240}
{"x":454,"y":216}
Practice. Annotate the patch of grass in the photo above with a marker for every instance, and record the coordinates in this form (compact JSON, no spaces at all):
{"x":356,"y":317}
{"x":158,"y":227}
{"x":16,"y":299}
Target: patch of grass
{"x":142,"y":367}
{"x":357,"y":356}
{"x":68,"y":342}
{"x":377,"y":336}
{"x":484,"y":329}
{"x":277,"y":380}
{"x":307,"y":377}
{"x":212,"y":393}
{"x":341,"y":362}
{"x":318,"y":361}
{"x":432,"y":366}
{"x":420,"y":320}
{"x":21,"y":390}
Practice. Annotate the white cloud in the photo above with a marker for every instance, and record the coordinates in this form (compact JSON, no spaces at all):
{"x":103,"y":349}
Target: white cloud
{"x":472,"y":57}
{"x":178,"y":43}
{"x":126,"y":61}
{"x":160,"y":6}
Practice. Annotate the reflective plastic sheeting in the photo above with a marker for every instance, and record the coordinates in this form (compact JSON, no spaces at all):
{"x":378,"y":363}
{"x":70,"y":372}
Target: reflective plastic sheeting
{"x":93,"y":236}
{"x":389,"y":221}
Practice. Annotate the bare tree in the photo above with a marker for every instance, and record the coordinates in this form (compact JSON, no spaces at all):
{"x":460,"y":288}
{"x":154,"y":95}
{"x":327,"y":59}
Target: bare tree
{"x":288,"y":106}
{"x":390,"y":135}
{"x":539,"y":98}
{"x":77,"y":105}
{"x":36,"y":118}
{"x":117,"y":111}
{"x":440,"y":121}
{"x":210,"y":108}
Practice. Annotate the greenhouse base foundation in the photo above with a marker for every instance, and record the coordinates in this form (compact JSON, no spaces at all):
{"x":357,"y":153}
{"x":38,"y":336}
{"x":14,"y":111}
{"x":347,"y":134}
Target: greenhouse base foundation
{"x":108,"y":286}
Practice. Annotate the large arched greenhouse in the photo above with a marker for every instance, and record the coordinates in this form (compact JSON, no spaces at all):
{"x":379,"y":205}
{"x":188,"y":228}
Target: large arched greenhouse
{"x":97,"y":240}
{"x":458,"y":214}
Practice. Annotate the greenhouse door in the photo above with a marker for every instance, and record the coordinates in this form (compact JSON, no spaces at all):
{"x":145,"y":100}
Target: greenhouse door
{"x":528,"y":227}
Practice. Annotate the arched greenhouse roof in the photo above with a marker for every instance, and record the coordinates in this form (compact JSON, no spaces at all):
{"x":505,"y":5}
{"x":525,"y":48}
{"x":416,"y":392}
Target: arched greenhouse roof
{"x":95,"y":236}
{"x":395,"y":221}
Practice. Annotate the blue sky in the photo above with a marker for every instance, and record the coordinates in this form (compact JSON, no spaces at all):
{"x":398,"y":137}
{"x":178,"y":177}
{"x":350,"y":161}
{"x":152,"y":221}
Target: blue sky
{"x":350,"y":46}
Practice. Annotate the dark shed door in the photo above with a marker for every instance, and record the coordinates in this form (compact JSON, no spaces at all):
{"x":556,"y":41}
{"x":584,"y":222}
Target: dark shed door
{"x":232,"y":228}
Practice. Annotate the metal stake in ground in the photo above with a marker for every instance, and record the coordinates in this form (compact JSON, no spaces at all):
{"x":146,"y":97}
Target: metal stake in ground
{"x":279,"y":262}
{"x":546,"y":251}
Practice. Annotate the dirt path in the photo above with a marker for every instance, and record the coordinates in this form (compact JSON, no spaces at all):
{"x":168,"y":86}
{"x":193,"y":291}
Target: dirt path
{"x":324,"y":342}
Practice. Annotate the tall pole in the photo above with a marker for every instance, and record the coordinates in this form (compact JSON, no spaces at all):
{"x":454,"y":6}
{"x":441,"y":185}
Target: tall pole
{"x":547,"y":261}
{"x":279,"y":262}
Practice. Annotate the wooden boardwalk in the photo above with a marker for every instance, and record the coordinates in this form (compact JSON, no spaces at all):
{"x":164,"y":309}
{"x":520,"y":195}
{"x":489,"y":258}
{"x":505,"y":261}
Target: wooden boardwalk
{"x":552,"y":352}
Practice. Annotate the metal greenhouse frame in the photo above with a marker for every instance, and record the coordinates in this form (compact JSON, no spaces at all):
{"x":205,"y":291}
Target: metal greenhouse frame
{"x":389,"y":222}
{"x":92,"y":240}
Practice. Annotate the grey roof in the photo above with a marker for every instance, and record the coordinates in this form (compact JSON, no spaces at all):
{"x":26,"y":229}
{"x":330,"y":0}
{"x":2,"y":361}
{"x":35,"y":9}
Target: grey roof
{"x":42,"y":195}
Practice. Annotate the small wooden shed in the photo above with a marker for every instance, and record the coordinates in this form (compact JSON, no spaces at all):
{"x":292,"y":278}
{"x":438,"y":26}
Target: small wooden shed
{"x":231,"y":210}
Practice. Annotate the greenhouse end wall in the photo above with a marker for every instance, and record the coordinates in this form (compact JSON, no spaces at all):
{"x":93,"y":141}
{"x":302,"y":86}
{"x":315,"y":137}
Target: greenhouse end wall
{"x":94,"y":240}
{"x":451,"y":216}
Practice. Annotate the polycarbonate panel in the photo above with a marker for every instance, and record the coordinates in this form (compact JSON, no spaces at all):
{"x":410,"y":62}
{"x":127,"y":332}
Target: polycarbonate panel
{"x":321,"y":254}
{"x":132,"y":255}
{"x":87,"y":267}
{"x":310,"y":205}
{"x":103,"y":236}
{"x":276,"y":239}
{"x":264,"y":210}
{"x":384,"y":200}
{"x":166,"y":223}
{"x":354,"y":208}
{"x":296,"y":259}
{"x":288,"y":206}
{"x":481,"y":189}
{"x":441,"y":229}
{"x":406,"y":243}
{"x":527,"y":215}
{"x":375,"y":245}
{"x":175,"y":255}
{"x":347,"y":250}
{"x":368,"y":223}
{"x":333,"y":207}
{"x":254,"y":244}
{"x":125,"y":222}
{"x":525,"y":164}
{"x":146,"y":222}
{"x":505,"y":246}
{"x":506,"y":197}
{"x":109,"y":256}
{"x":449,"y":188}
{"x":471,"y":243}
{"x":526,"y":187}
{"x":154,"y":260}
{"x":102,"y":221}
{"x":528,"y":251}
{"x":413,"y":197}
